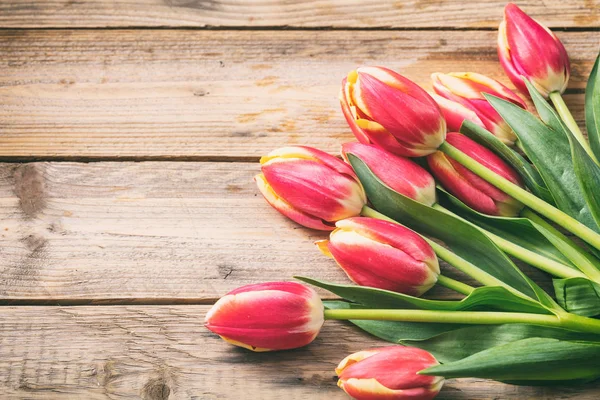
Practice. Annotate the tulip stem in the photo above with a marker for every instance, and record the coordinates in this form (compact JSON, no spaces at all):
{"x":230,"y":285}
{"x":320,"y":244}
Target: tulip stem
{"x":456,"y":261}
{"x":568,"y":321}
{"x":455,"y":285}
{"x":550,"y":212}
{"x":567,"y":117}
{"x":566,"y":246}
{"x":532,"y":258}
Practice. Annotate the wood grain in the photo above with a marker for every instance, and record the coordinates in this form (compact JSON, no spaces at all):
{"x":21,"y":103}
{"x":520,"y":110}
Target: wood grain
{"x":212,"y":95}
{"x":148,"y":232}
{"x":164,"y":352}
{"x":280,"y":13}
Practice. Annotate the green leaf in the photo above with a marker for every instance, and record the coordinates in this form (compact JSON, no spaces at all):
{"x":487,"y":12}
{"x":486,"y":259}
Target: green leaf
{"x":520,"y":231}
{"x":547,"y":114}
{"x":483,"y":298}
{"x":528,"y":173}
{"x":579,"y":296}
{"x":393,"y":331}
{"x":592,"y":108}
{"x":465,"y":240}
{"x":463,"y":342}
{"x":551,"y":154}
{"x":588,"y":173}
{"x":586,"y":170}
{"x":533,"y":360}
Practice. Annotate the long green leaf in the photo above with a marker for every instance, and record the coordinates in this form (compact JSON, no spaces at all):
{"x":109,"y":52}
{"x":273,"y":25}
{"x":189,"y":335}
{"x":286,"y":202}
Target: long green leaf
{"x":463,"y":342}
{"x":520,"y":231}
{"x":586,"y":170}
{"x":588,"y":173}
{"x":551,"y":154}
{"x":528,"y":173}
{"x":592,"y":108}
{"x":533,"y":360}
{"x":578,"y":296}
{"x":393,"y":331}
{"x":465,"y":240}
{"x":483,"y":298}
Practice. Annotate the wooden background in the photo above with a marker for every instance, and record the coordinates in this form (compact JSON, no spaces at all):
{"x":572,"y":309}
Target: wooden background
{"x":129,"y":135}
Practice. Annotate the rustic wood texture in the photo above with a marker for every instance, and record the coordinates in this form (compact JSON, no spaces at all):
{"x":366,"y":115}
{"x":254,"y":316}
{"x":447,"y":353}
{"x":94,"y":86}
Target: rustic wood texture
{"x":155,"y":243}
{"x":164,"y":352}
{"x":157,"y":232}
{"x":142,"y":94}
{"x":280,"y":13}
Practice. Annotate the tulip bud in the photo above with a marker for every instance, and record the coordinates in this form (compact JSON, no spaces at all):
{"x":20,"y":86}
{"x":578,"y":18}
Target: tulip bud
{"x":268,"y":316}
{"x":309,"y":186}
{"x":467,"y":88}
{"x":384,"y":108}
{"x":399,"y":173}
{"x":470,"y":188}
{"x":528,"y":49}
{"x":383,"y":255}
{"x":389,"y":373}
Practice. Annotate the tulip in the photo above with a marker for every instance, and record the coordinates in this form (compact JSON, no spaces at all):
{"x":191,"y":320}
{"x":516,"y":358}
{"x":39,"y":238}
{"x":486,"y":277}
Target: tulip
{"x":389,"y":373}
{"x":399,"y":173}
{"x":528,"y":49}
{"x":470,"y":188}
{"x":467,"y":88}
{"x":268,"y":316}
{"x":310,"y":187}
{"x":383,"y":255}
{"x":384,"y":108}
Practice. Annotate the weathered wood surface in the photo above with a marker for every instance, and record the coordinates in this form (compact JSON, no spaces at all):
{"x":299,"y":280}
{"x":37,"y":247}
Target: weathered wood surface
{"x":154,"y":232}
{"x":160,"y":352}
{"x":279,"y":13}
{"x":159,"y":94}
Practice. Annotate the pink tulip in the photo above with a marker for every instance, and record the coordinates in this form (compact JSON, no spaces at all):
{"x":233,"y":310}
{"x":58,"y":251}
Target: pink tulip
{"x":467,"y":88}
{"x":528,"y":49}
{"x":399,"y":173}
{"x":309,"y":186}
{"x":384,"y":108}
{"x":268,"y":316}
{"x":389,"y":373}
{"x":383,"y":255}
{"x":470,"y":188}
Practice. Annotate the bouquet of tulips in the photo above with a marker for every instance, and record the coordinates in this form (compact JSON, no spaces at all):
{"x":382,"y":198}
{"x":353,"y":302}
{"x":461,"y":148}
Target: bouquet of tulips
{"x":471,"y":175}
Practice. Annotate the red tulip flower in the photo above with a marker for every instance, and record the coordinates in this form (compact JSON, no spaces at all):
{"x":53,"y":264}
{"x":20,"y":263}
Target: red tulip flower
{"x":470,"y":188}
{"x":268,"y":316}
{"x":400,"y":174}
{"x":389,"y":373}
{"x":383,"y":255}
{"x":528,"y":49}
{"x":384,"y":108}
{"x":309,"y":186}
{"x":467,"y":89}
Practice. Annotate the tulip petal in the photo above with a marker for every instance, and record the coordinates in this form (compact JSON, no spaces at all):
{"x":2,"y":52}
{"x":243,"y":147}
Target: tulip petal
{"x":455,"y":113}
{"x":535,"y":52}
{"x":390,"y":233}
{"x":315,"y":189}
{"x":391,"y":373}
{"x":272,"y":316}
{"x":451,"y":179}
{"x":286,"y":209}
{"x":401,"y":174}
{"x":384,"y":255}
{"x":484,"y":156}
{"x":354,"y":358}
{"x":351,"y":116}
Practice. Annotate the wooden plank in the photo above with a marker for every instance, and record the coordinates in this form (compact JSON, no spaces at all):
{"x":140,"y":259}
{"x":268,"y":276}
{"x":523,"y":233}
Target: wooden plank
{"x":212,"y":94}
{"x":279,"y":13}
{"x":148,"y":232}
{"x":164,"y":352}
